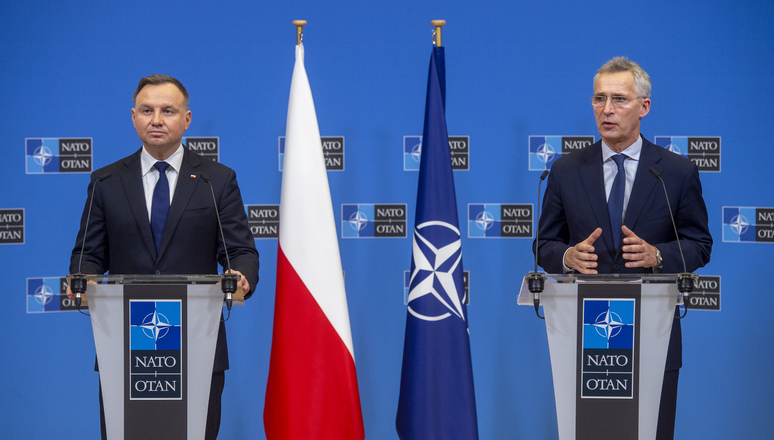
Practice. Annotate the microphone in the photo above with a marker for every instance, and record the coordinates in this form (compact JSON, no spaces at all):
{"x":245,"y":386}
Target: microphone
{"x":228,"y":284}
{"x":78,"y":280}
{"x":535,"y":280}
{"x":685,"y":280}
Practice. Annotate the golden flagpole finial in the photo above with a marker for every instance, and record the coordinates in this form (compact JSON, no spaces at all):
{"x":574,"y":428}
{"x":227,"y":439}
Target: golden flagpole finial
{"x":437,"y":31}
{"x":299,"y":31}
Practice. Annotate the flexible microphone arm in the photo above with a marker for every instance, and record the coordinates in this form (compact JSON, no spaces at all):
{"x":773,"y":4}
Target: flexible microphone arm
{"x":228,"y":284}
{"x":685,"y":280}
{"x":78,"y":280}
{"x":535,"y":280}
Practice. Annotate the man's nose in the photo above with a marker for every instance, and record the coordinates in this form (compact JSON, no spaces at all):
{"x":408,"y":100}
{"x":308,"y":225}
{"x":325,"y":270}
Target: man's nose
{"x":157,"y":118}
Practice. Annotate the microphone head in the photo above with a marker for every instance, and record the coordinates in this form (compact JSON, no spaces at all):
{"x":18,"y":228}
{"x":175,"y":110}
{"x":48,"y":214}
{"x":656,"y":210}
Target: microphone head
{"x":105,"y":176}
{"x":654,"y":172}
{"x":543,"y":176}
{"x":204,"y":177}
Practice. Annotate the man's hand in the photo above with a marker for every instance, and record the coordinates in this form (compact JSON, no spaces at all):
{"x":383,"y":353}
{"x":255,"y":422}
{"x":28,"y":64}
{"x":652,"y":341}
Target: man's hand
{"x":581,"y":257}
{"x":243,"y":283}
{"x":637,"y":251}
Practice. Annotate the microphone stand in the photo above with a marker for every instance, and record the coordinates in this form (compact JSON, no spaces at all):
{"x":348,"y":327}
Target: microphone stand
{"x":685,"y":280}
{"x":536,"y":281}
{"x":78,"y":280}
{"x":228,"y":283}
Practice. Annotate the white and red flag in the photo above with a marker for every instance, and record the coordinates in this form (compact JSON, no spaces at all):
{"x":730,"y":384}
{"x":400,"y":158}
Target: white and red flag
{"x":312,"y":390}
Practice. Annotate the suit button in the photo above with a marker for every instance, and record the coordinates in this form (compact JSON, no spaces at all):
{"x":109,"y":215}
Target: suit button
{"x":615,"y":267}
{"x":158,"y":272}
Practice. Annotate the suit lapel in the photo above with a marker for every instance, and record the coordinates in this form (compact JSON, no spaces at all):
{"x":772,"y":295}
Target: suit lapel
{"x":131,"y":180}
{"x":593,"y":180}
{"x":644,"y":183}
{"x":187,"y":180}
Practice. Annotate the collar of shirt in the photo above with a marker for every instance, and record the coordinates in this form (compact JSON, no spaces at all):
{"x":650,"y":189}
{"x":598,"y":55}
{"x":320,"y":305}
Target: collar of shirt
{"x":632,"y":151}
{"x":175,"y":161}
{"x":150,"y":175}
{"x":610,"y":170}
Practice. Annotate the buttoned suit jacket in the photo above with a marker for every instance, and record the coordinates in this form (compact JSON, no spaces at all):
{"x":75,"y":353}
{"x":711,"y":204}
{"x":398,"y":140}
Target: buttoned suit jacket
{"x":120,"y":241}
{"x":575,"y":205}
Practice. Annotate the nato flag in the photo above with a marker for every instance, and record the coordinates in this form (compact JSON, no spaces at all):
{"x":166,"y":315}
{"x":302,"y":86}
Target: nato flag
{"x":437,"y":400}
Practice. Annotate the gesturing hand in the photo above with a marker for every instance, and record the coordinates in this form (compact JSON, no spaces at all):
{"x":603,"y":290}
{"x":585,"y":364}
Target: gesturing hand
{"x":581,"y":257}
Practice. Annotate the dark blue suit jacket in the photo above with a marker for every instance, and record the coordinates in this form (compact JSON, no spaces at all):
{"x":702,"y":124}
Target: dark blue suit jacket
{"x":120,"y":241}
{"x":575,"y":205}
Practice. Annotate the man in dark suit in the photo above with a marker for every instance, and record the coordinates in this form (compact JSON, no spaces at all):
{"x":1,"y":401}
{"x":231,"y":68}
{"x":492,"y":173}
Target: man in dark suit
{"x":126,"y":234}
{"x":604,"y":212}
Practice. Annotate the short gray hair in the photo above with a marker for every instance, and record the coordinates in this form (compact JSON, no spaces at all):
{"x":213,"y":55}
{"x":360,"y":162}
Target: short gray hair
{"x":623,"y":64}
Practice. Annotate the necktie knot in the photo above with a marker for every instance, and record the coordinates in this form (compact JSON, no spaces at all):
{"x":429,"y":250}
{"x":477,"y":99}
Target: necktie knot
{"x":161,"y":166}
{"x":619,"y":161}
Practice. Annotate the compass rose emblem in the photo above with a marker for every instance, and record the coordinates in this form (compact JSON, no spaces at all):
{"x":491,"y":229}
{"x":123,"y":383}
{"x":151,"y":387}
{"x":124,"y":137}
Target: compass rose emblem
{"x":436,"y":277}
{"x":608,"y":325}
{"x":155,"y":325}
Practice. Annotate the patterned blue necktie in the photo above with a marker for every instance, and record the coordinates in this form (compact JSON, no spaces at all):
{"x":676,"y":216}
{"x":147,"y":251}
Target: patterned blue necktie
{"x":160,"y":206}
{"x":615,"y":202}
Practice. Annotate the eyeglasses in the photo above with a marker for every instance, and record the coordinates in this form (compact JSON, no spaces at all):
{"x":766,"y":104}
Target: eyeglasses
{"x":616,"y":101}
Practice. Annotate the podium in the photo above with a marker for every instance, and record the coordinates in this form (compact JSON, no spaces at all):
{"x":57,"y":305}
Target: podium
{"x":608,"y":337}
{"x":155,"y":337}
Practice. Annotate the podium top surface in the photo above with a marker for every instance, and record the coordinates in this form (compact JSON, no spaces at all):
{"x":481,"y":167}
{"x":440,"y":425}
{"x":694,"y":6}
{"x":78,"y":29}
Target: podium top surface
{"x":526,"y":298}
{"x":141,"y":279}
{"x":614,"y":277}
{"x":153,"y":279}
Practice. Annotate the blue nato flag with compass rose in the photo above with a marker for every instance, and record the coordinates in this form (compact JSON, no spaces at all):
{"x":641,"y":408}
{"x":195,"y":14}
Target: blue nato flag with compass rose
{"x":437,"y":399}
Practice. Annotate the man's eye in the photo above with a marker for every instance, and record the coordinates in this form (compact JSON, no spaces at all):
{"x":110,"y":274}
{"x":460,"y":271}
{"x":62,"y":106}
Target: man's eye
{"x":620,"y":99}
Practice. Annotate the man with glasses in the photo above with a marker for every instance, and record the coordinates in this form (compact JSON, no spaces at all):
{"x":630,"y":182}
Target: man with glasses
{"x":604,"y":212}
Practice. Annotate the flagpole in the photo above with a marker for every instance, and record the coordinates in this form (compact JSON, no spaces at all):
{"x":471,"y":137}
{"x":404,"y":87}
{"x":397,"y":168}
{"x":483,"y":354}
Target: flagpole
{"x":437,"y":33}
{"x":299,"y":31}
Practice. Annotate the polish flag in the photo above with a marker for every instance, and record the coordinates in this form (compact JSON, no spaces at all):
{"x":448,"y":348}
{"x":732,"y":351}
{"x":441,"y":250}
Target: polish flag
{"x":312,"y":390}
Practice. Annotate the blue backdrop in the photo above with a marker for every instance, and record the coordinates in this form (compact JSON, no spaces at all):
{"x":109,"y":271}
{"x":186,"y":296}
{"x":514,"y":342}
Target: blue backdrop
{"x":514,"y":70}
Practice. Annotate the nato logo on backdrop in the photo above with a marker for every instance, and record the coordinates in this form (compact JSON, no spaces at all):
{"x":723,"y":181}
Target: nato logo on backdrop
{"x":499,"y":220}
{"x":704,"y":151}
{"x":744,"y":224}
{"x":373,"y":220}
{"x":706,"y":294}
{"x":608,"y":348}
{"x":58,"y":155}
{"x":263,"y":220}
{"x":48,"y":294}
{"x":544,"y":150}
{"x":333,"y":152}
{"x":12,"y":226}
{"x":459,"y":147}
{"x":208,"y":147}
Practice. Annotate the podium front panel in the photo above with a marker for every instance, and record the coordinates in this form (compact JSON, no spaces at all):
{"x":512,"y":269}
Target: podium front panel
{"x":608,"y":343}
{"x":155,"y":349}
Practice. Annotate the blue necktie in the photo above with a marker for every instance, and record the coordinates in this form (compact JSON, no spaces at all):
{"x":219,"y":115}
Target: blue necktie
{"x":615,"y":202}
{"x":160,"y":206}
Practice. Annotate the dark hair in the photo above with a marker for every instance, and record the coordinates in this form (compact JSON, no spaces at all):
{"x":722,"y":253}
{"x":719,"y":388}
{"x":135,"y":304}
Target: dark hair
{"x":157,"y":79}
